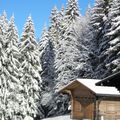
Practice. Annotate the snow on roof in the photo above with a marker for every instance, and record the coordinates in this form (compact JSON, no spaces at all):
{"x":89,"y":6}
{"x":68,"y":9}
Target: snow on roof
{"x":99,"y":90}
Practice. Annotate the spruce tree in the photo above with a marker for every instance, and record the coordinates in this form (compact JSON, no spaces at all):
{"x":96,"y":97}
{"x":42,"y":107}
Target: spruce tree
{"x":112,"y":61}
{"x":72,"y":54}
{"x":4,"y":22}
{"x":47,"y":60}
{"x":9,"y":80}
{"x":72,"y":10}
{"x":46,"y":50}
{"x":30,"y":70}
{"x":98,"y":23}
{"x":61,"y":15}
{"x":4,"y":77}
{"x":12,"y":52}
{"x":54,"y":29}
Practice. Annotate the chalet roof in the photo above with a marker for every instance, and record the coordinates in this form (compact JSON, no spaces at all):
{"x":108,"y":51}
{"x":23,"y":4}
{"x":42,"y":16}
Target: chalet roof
{"x":91,"y":85}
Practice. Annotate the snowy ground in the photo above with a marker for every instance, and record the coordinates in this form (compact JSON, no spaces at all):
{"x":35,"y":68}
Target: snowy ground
{"x":65,"y":117}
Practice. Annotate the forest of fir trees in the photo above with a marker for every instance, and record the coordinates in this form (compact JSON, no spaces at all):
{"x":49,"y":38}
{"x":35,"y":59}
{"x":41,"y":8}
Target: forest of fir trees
{"x":73,"y":46}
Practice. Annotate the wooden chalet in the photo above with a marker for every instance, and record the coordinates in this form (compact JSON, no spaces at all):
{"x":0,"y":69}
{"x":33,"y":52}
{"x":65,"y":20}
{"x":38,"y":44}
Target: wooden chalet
{"x":91,"y":102}
{"x":113,"y":80}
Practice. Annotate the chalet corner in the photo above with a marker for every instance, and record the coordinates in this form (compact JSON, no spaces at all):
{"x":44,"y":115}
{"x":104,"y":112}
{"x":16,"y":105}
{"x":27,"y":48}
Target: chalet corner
{"x":91,"y":102}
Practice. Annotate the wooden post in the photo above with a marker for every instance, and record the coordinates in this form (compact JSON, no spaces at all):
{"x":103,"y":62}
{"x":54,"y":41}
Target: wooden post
{"x":94,"y":109}
{"x":72,"y":106}
{"x":97,"y":109}
{"x":98,"y":101}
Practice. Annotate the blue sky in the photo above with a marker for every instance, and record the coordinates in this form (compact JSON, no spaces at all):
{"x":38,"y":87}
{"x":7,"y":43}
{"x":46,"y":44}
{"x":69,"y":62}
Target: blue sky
{"x":39,"y":9}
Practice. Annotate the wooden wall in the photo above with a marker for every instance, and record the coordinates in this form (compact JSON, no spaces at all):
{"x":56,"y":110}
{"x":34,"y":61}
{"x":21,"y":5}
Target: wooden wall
{"x":82,"y":101}
{"x":109,"y":110}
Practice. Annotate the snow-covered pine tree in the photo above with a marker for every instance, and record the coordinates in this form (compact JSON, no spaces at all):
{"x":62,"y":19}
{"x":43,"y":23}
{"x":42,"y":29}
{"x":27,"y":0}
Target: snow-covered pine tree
{"x":86,"y":34}
{"x":98,"y":13}
{"x":8,"y":73}
{"x":71,"y":58}
{"x":72,"y":11}
{"x":12,"y":66}
{"x":65,"y":63}
{"x":61,"y":20}
{"x":112,"y":37}
{"x":4,"y":22}
{"x":12,"y":50}
{"x":47,"y":60}
{"x":98,"y":23}
{"x":54,"y":29}
{"x":71,"y":14}
{"x":55,"y":32}
{"x":46,"y":50}
{"x":30,"y":70}
{"x":4,"y":77}
{"x":54,"y":17}
{"x":83,"y":30}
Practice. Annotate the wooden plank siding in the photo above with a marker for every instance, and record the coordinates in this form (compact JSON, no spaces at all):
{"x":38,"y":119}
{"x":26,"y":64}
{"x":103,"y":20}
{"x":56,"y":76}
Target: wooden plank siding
{"x":110,"y":109}
{"x":82,"y":101}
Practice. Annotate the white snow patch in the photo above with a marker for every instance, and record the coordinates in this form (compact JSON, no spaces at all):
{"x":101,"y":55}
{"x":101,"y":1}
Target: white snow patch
{"x":65,"y":117}
{"x":28,"y":118}
{"x":46,"y":98}
{"x":115,"y":41}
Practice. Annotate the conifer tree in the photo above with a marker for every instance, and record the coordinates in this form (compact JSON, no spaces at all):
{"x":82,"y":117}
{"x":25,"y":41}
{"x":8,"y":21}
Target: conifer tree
{"x":47,"y":60}
{"x":12,"y":50}
{"x":112,"y":61}
{"x":72,"y":54}
{"x":61,"y":15}
{"x":4,"y":22}
{"x":30,"y":70}
{"x":9,"y":80}
{"x":72,"y":10}
{"x":98,"y":13}
{"x":12,"y":53}
{"x":4,"y":77}
{"x":54,"y":29}
{"x":98,"y":23}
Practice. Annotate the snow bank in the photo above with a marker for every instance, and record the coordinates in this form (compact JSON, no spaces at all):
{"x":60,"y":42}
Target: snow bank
{"x":65,"y":117}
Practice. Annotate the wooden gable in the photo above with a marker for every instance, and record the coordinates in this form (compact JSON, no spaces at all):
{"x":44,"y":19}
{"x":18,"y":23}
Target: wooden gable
{"x":77,"y":89}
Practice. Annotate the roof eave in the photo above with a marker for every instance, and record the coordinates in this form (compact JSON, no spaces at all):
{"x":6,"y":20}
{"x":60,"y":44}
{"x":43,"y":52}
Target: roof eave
{"x":107,"y":95}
